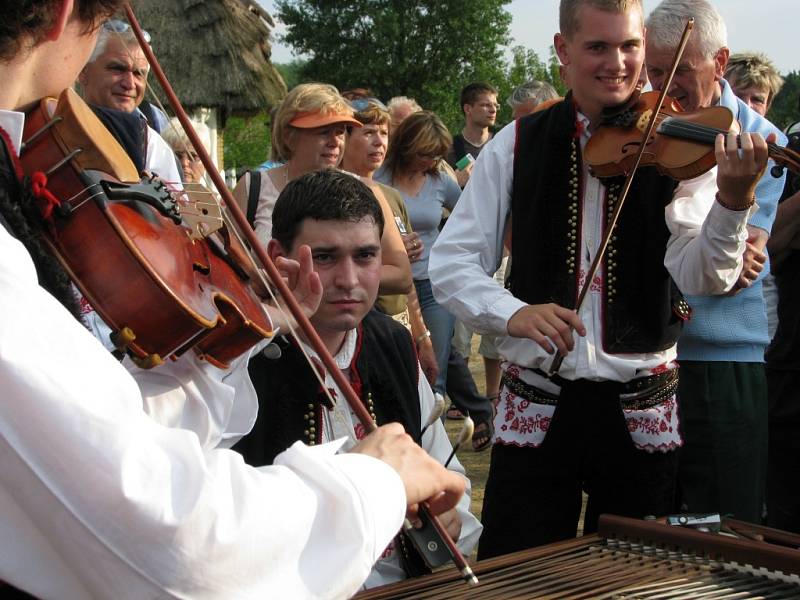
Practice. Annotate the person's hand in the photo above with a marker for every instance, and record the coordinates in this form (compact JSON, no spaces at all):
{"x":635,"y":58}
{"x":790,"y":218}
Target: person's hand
{"x":414,"y":246}
{"x":451,"y":521}
{"x":423,"y":477}
{"x":301,"y":279}
{"x":753,"y":259}
{"x":739,"y":167}
{"x":463,"y":175}
{"x":427,"y":360}
{"x":539,"y":322}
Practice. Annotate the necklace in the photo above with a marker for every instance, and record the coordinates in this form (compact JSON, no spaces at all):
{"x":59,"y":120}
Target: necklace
{"x":471,"y":143}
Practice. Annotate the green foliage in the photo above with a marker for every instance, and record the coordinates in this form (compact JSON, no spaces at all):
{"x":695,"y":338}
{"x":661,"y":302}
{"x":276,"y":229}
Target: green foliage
{"x":426,"y":49}
{"x":246,"y":141}
{"x":785,"y":109}
{"x":291,"y":72}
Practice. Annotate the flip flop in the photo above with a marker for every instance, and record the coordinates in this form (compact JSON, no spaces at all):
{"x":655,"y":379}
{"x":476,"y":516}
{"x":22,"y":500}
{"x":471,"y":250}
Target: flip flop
{"x":482,"y":436}
{"x":454,"y":414}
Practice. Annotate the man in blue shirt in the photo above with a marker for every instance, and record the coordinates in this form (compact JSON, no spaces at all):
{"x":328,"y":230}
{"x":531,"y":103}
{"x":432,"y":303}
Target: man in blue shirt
{"x":722,"y":393}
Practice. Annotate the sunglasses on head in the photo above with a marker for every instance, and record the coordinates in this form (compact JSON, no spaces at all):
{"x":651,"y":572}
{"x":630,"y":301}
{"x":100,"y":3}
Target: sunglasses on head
{"x":118,"y":26}
{"x":362,"y":104}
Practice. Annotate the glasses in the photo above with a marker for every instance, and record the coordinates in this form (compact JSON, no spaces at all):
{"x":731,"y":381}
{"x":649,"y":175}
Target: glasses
{"x":191,"y":156}
{"x":362,"y":104}
{"x":427,"y":156}
{"x":118,"y":26}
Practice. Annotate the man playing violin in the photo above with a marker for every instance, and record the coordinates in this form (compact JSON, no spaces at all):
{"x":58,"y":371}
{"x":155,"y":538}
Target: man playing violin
{"x":605,"y":423}
{"x":98,"y":500}
{"x":722,"y":395}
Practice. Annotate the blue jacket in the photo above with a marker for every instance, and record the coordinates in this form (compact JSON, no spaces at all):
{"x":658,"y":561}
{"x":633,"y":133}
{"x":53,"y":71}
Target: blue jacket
{"x":734,"y":328}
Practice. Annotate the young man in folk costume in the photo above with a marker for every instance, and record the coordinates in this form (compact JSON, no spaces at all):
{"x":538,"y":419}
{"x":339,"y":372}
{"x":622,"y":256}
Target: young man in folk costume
{"x":337,"y":216}
{"x":98,"y":500}
{"x":605,"y":423}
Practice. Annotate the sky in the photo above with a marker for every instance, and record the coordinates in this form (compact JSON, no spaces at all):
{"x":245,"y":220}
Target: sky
{"x":770,"y":29}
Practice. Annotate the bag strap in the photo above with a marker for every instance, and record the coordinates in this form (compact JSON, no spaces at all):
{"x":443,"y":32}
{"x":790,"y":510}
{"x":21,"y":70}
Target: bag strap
{"x":254,"y":191}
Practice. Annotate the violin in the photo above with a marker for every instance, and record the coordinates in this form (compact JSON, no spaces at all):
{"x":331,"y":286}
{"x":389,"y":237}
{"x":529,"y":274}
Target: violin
{"x":159,"y":274}
{"x":680,"y":146}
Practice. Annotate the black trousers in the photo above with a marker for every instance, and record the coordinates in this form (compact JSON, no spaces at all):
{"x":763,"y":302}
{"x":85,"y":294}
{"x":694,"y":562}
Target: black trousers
{"x":533,"y":495}
{"x":783,"y":462}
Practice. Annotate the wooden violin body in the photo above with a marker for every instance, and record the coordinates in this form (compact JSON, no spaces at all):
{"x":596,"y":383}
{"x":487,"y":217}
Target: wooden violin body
{"x":123,"y":241}
{"x":611,"y":151}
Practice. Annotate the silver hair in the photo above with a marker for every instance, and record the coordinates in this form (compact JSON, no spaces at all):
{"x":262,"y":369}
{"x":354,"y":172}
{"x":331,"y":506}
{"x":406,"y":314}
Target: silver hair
{"x":126,"y":37}
{"x":403,"y":100}
{"x":540,"y":91}
{"x":666,"y":22}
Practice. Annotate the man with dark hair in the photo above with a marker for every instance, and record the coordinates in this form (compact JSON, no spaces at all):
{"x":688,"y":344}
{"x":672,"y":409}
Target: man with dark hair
{"x":338,"y":217}
{"x":605,"y":423}
{"x":97,"y":499}
{"x":479,"y":105}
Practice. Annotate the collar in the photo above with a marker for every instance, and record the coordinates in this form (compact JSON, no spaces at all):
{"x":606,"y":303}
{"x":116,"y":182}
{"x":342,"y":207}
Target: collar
{"x":13,"y":122}
{"x":728,"y":99}
{"x":581,"y":127}
{"x":345,"y":355}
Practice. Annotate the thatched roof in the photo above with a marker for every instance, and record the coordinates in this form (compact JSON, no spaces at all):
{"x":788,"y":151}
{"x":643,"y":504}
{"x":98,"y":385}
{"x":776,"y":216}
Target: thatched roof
{"x":216,"y":53}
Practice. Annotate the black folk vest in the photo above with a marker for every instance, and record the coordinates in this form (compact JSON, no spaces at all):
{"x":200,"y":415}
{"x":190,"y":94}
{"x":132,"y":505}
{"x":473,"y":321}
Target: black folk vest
{"x":383,"y":373}
{"x":641,"y":307}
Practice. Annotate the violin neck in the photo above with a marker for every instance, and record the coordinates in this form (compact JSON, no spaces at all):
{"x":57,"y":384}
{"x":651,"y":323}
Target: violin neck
{"x":703,"y":134}
{"x":694,"y":132}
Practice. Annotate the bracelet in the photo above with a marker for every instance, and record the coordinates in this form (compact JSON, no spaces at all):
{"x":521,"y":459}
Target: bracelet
{"x":421,"y":337}
{"x":736,"y":208}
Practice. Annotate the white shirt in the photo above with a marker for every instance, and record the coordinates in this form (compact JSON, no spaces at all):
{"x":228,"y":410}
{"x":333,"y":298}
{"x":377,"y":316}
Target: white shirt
{"x":97,"y":500}
{"x":160,"y":159}
{"x":342,"y":422}
{"x":702,"y":255}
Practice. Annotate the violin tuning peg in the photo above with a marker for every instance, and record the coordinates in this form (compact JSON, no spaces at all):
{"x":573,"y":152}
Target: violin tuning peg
{"x":776,"y":171}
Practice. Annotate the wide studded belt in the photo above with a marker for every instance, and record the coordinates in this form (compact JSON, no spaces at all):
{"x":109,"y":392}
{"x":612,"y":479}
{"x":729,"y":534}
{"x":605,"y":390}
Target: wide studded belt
{"x":637,"y":394}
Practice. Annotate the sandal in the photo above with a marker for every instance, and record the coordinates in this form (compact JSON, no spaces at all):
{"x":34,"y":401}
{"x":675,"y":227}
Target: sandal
{"x":454,"y":414}
{"x":482,"y":436}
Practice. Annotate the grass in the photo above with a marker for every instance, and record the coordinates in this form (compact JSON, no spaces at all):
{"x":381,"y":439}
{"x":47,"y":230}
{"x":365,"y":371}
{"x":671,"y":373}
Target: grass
{"x":475,"y":463}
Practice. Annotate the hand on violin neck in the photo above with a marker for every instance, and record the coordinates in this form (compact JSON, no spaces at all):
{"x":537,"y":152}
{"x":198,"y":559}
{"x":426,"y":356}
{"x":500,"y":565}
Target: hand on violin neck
{"x":741,"y":161}
{"x":546,"y":323}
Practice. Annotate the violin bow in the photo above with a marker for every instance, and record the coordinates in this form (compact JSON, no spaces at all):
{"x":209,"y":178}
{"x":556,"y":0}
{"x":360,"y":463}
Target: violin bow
{"x":303,"y":323}
{"x":601,"y":251}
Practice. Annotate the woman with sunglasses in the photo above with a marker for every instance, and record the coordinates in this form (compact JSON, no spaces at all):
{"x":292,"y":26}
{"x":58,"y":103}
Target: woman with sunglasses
{"x":309,"y":133}
{"x":413,"y":167}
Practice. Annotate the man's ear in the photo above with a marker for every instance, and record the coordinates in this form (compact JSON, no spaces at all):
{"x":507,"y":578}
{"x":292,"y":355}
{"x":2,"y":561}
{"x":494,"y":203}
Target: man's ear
{"x":275,"y":249}
{"x":560,"y":44}
{"x":63,"y":14}
{"x":721,"y":62}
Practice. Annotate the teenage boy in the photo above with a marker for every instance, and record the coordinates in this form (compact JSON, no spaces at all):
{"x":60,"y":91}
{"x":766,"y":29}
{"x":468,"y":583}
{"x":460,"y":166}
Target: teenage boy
{"x":606,"y":422}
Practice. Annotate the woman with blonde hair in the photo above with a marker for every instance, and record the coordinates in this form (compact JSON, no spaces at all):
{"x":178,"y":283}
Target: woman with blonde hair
{"x":309,"y":134}
{"x":413,"y":167}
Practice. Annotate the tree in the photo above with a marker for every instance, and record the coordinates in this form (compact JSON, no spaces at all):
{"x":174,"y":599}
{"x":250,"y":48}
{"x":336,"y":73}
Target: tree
{"x":426,"y":49}
{"x":246,"y":141}
{"x":527,"y":66}
{"x":785,"y":109}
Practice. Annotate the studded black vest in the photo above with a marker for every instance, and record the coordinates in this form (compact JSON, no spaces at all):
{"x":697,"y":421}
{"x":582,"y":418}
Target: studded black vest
{"x":290,"y":403}
{"x":639,"y":294}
